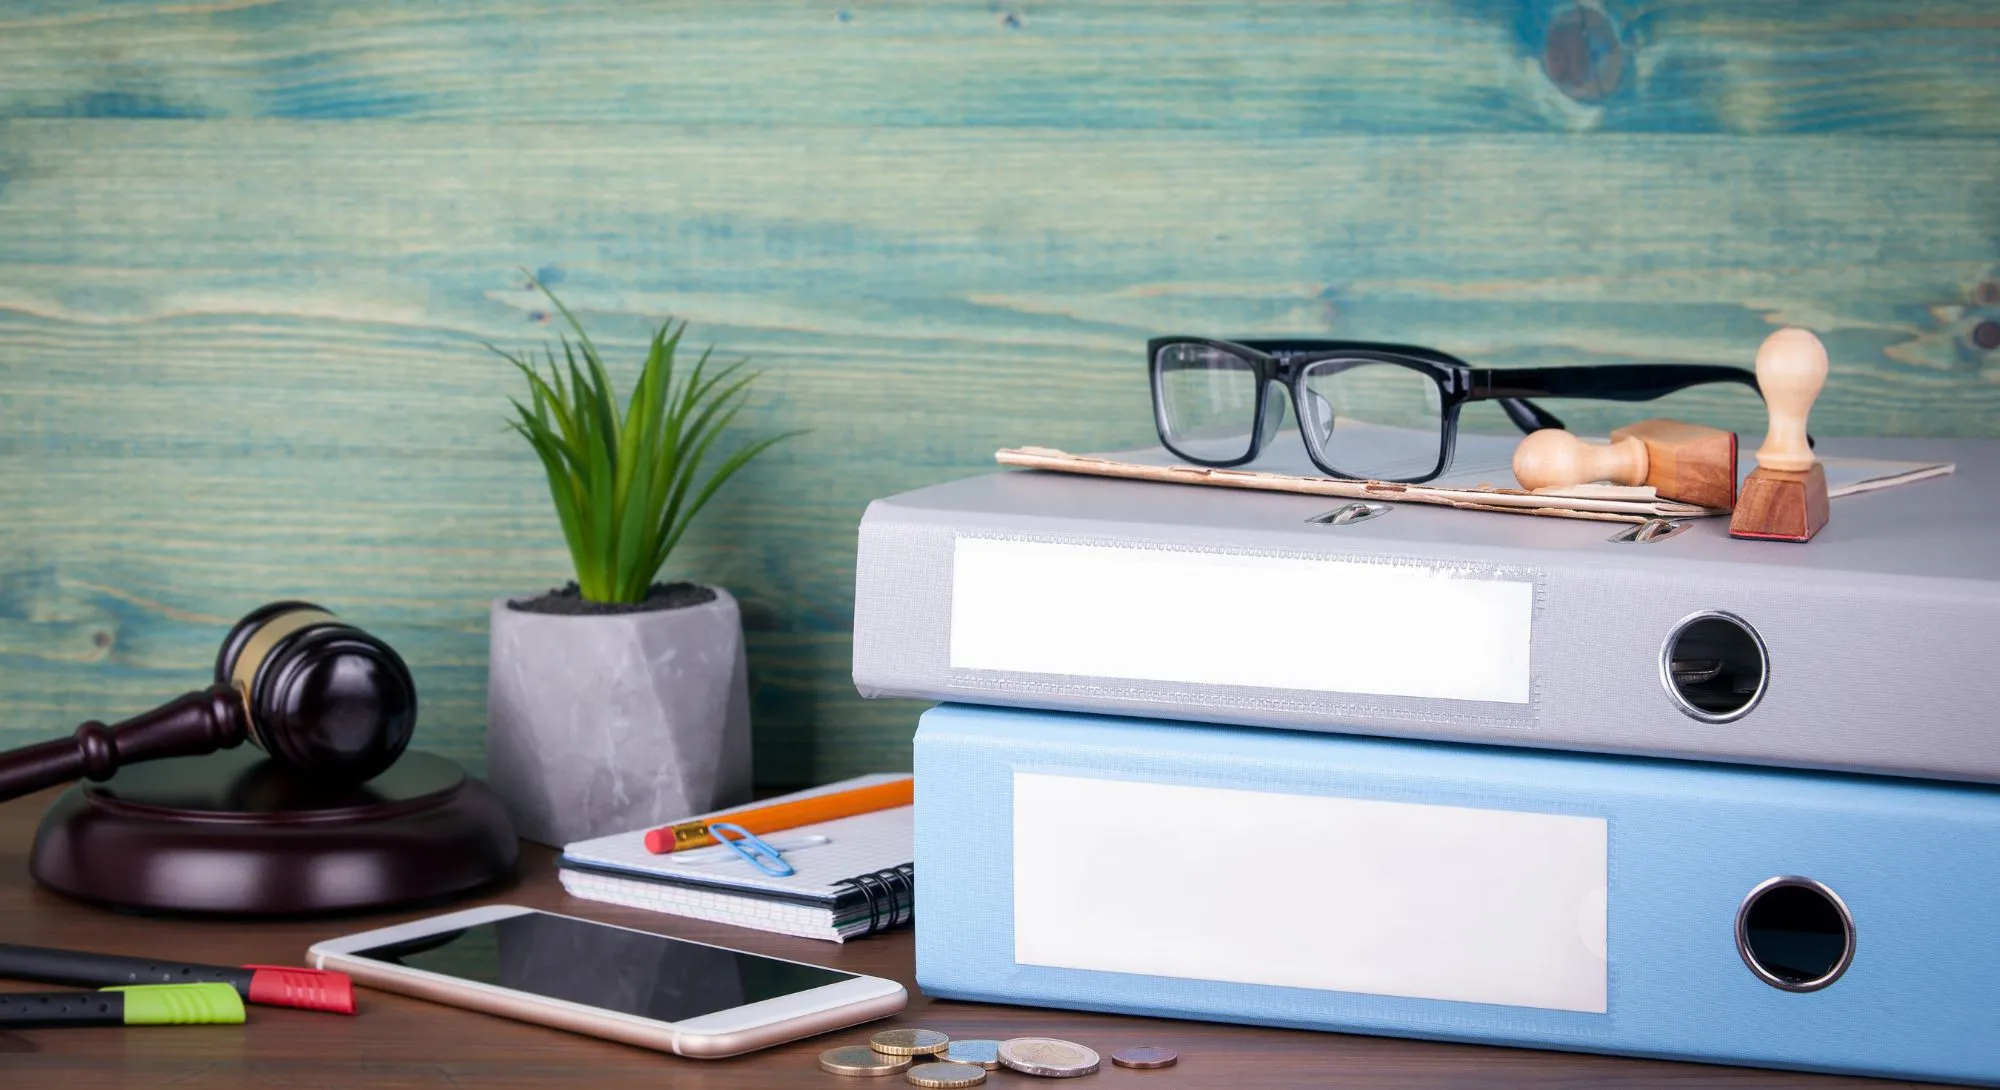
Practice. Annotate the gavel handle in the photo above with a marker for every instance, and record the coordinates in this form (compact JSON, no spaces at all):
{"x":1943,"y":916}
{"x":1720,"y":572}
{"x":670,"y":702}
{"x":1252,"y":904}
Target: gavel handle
{"x":197,"y":723}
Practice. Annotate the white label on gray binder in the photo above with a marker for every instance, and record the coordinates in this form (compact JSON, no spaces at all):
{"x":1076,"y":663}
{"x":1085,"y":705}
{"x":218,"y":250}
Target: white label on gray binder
{"x":1273,"y":622}
{"x":1305,"y":891}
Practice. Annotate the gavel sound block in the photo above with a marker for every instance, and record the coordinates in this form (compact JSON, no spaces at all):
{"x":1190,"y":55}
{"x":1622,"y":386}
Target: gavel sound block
{"x":327,"y":813}
{"x":1684,"y":462}
{"x":1784,"y":498}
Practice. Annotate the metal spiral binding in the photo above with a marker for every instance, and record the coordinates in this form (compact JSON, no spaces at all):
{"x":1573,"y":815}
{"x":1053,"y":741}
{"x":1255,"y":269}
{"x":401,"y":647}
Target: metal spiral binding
{"x":891,"y":893}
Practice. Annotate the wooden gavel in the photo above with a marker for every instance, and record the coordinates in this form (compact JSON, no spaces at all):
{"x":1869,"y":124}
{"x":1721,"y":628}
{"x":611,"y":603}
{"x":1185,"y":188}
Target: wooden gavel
{"x":320,"y":696}
{"x":1685,"y":462}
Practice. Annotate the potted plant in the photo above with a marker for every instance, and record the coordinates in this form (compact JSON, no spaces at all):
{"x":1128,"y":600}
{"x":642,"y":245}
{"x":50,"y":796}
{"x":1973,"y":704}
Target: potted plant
{"x":619,"y":701}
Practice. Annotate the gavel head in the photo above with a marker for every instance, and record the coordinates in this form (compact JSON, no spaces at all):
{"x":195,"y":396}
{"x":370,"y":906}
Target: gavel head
{"x":323,"y":696}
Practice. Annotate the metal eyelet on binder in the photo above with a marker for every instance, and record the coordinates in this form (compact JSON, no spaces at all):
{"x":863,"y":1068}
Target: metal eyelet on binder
{"x":1793,"y":909}
{"x":1714,"y":666}
{"x":1350,"y":513}
{"x":1651,"y":530}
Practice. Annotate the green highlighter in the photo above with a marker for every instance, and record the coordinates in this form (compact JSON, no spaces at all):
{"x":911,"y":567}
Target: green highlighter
{"x":131,"y":1005}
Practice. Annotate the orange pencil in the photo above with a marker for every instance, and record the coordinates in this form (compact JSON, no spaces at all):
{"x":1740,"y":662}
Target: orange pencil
{"x":785,"y":815}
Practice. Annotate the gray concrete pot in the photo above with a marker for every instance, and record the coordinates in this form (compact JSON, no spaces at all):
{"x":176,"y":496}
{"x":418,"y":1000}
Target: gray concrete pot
{"x":603,"y":724}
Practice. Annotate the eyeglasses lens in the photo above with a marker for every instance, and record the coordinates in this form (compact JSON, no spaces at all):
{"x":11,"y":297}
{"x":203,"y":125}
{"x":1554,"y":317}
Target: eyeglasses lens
{"x":1207,"y":401}
{"x":1378,"y":421}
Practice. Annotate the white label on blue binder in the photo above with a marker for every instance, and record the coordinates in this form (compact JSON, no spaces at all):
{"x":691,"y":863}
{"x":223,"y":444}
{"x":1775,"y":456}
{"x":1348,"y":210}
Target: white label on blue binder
{"x":1307,"y":891}
{"x":1274,"y":622}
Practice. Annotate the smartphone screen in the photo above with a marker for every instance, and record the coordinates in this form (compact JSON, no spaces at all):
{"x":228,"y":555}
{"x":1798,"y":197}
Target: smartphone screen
{"x":631,"y":972}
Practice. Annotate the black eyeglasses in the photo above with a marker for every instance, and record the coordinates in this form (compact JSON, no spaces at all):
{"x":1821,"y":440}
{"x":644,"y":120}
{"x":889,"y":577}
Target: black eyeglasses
{"x":1382,"y":412}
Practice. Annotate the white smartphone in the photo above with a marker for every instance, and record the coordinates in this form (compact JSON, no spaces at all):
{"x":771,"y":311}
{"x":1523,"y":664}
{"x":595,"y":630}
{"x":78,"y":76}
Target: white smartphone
{"x":674,"y":995}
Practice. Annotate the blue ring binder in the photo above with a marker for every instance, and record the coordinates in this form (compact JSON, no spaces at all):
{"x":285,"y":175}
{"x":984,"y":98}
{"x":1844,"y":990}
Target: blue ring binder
{"x":1905,"y":873}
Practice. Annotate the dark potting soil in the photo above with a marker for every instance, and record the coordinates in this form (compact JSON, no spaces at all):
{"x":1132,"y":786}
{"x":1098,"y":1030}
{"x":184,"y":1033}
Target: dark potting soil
{"x":569,"y":601}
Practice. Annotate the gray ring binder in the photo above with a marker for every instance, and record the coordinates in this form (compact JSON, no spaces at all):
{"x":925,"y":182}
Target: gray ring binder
{"x":1881,"y":630}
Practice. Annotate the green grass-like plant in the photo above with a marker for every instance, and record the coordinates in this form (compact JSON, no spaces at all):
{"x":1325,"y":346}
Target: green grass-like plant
{"x":627,"y":485}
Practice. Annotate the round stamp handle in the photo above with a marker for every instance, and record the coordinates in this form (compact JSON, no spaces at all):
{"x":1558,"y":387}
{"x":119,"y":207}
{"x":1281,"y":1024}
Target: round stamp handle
{"x":1791,"y":371}
{"x":1553,"y":458}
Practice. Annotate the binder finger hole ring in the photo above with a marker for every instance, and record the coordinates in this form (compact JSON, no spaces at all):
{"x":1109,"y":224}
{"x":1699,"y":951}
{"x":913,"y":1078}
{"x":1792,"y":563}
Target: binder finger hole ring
{"x":1714,"y":666}
{"x":1795,"y":934}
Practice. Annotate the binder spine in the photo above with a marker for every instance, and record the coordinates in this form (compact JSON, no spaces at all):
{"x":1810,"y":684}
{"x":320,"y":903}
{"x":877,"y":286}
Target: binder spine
{"x":1611,"y":665}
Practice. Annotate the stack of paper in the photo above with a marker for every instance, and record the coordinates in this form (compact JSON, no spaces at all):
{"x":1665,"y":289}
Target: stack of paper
{"x":1481,"y":478}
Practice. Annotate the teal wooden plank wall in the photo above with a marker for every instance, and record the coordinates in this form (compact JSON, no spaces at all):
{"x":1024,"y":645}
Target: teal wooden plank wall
{"x":249,"y":252}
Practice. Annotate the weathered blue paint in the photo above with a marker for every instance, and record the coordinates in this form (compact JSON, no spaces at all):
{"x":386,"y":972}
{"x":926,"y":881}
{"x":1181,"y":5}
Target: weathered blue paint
{"x":246,"y":282}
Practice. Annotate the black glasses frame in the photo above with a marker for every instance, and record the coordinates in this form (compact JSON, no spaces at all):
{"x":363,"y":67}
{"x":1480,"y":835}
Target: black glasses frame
{"x":1458,"y":383}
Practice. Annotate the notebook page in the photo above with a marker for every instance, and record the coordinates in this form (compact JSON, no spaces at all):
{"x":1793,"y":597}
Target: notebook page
{"x":716,"y":906}
{"x":856,"y":845}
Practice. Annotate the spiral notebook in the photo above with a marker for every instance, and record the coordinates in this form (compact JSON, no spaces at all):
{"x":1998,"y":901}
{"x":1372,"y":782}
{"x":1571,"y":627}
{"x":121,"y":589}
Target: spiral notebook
{"x":853,"y":875}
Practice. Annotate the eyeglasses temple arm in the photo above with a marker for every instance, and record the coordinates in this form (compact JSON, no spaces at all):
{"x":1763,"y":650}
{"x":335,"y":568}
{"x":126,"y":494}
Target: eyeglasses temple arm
{"x":1618,"y":382}
{"x":1614,"y":382}
{"x":1528,"y":416}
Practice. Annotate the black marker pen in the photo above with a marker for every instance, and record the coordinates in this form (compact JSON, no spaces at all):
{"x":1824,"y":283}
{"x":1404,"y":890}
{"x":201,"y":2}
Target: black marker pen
{"x":270,"y":985}
{"x":212,"y":1004}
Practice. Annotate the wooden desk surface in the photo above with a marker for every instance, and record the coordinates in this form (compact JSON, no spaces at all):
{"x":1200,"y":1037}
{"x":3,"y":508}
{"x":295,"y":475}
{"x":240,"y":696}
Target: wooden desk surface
{"x":399,"y":1042}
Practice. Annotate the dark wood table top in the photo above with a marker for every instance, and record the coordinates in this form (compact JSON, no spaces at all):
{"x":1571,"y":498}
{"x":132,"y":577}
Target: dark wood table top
{"x":401,"y":1042}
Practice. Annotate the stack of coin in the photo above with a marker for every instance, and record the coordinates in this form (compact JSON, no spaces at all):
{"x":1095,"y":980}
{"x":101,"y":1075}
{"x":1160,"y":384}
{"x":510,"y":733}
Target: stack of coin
{"x":1048,"y":1057}
{"x":861,"y":1060}
{"x":892,"y":1051}
{"x":909,"y":1042}
{"x":942,"y":1075}
{"x":940,"y":1062}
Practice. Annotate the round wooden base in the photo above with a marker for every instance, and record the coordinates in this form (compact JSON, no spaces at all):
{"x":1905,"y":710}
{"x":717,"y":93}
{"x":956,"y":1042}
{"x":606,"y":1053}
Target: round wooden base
{"x":233,"y":833}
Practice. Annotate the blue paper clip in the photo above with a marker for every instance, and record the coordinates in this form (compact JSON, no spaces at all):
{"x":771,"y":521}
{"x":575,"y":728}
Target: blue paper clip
{"x":761,"y":855}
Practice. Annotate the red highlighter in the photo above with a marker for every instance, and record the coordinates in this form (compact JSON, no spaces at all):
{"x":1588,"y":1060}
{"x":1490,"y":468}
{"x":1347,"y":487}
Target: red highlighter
{"x":270,"y":985}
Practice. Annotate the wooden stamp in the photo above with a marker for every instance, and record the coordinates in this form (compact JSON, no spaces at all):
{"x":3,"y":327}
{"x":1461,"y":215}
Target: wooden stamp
{"x":1784,"y":498}
{"x":1684,"y":462}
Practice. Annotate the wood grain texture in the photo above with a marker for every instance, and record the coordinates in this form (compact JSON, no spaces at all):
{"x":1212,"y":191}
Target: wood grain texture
{"x":249,"y":254}
{"x":1278,"y":69}
{"x":397,"y":1042}
{"x":1688,"y":462}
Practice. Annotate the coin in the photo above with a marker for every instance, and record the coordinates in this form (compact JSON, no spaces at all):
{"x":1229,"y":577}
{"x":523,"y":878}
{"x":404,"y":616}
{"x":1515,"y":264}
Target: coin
{"x":909,"y":1042}
{"x":984,"y":1053}
{"x":861,"y":1060}
{"x":1048,"y":1057}
{"x":1145,"y":1056}
{"x":946,"y":1075}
